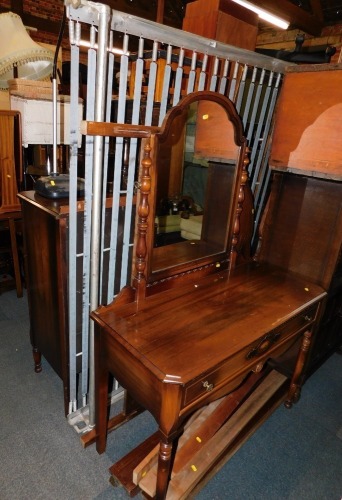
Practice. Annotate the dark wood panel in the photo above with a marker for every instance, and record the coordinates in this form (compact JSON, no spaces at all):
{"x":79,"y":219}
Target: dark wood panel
{"x":43,"y":262}
{"x":302,"y":232}
{"x":302,"y":227}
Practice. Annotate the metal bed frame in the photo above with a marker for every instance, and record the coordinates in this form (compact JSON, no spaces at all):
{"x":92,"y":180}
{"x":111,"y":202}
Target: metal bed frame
{"x":177,"y":63}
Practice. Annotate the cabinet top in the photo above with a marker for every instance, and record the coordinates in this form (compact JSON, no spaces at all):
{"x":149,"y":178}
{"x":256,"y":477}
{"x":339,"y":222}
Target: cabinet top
{"x":58,"y":207}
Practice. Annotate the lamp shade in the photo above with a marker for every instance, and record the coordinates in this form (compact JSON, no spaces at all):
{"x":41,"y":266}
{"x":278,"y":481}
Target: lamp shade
{"x":17,"y":49}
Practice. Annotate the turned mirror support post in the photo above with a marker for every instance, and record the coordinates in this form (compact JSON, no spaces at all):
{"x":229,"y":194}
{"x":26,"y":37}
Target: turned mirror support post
{"x":144,"y":187}
{"x":241,"y":198}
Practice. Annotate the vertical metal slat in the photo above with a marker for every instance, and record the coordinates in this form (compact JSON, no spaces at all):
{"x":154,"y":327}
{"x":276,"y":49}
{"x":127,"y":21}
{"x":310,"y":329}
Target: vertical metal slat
{"x":233,"y":82}
{"x":101,"y":70}
{"x":203,"y":75}
{"x":89,"y":149}
{"x":119,"y":148}
{"x":192,"y":74}
{"x":247,"y":108}
{"x":151,"y":85}
{"x":260,"y":126}
{"x":73,"y":226}
{"x":266,"y":127}
{"x":241,"y":89}
{"x":131,"y":167}
{"x":166,"y":85}
{"x":214,"y":77}
{"x":255,"y":108}
{"x":105,"y":162}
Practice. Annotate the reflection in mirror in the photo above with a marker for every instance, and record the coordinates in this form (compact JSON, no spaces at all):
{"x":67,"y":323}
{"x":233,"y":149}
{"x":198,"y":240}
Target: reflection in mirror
{"x":196,"y":173}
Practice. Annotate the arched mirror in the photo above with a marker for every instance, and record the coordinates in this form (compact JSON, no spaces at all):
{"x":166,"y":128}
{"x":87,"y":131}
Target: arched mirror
{"x":198,"y":159}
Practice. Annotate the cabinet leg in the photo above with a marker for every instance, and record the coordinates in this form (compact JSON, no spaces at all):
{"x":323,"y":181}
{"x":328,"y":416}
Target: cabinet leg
{"x":101,"y":395}
{"x":15,"y":257}
{"x":37,"y":358}
{"x":295,"y":386}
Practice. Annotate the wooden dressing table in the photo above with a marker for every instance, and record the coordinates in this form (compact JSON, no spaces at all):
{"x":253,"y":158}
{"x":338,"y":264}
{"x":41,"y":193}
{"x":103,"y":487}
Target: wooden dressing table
{"x":191,"y":330}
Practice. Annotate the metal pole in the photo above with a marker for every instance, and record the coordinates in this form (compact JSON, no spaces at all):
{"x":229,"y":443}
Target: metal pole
{"x":101,"y":79}
{"x":54,"y":128}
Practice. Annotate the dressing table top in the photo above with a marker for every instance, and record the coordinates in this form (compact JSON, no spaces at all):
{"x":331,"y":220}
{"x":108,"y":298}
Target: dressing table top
{"x":182,"y":332}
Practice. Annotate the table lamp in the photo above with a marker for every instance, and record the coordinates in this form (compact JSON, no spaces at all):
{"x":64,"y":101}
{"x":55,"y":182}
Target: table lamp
{"x":20,"y":56}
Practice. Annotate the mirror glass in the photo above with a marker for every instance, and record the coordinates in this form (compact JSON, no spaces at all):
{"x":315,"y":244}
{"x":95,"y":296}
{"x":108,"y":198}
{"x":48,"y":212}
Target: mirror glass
{"x":195,"y":160}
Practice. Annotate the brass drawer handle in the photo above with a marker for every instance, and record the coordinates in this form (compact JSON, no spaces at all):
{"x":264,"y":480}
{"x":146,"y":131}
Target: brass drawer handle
{"x":208,"y":387}
{"x":264,"y":345}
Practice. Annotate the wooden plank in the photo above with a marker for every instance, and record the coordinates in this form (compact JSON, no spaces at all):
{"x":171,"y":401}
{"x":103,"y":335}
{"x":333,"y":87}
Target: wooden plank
{"x":200,"y":431}
{"x":148,"y":476}
{"x":122,"y":470}
{"x":182,"y":484}
{"x":198,"y":435}
{"x":149,"y":482}
{"x":146,"y":465}
{"x":197,"y":421}
{"x":117,"y":129}
{"x":150,"y":461}
{"x":271,"y":405}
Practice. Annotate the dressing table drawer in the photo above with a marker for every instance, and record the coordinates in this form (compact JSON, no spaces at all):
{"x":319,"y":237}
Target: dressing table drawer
{"x":275,"y":341}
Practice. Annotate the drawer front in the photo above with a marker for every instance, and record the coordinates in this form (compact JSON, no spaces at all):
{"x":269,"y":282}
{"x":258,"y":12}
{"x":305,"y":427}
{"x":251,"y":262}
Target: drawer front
{"x":275,"y":341}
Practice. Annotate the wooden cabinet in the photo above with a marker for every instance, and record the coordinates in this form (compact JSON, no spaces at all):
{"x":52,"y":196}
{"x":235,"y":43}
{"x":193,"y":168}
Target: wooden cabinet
{"x":46,"y":233}
{"x":302,"y":227}
{"x":45,"y":223}
{"x":222,"y":20}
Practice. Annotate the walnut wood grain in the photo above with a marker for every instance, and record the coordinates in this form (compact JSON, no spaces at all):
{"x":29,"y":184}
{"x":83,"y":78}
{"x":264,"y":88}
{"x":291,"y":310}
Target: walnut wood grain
{"x":163,"y":351}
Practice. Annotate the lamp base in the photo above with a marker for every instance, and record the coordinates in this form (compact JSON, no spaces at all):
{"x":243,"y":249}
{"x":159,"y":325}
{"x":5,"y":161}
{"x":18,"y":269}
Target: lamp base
{"x":57,"y":186}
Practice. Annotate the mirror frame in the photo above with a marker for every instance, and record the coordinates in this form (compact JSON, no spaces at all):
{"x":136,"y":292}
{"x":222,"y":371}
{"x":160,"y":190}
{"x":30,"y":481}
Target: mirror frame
{"x":211,"y":263}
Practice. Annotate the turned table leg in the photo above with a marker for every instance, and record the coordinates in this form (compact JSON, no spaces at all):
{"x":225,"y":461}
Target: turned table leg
{"x":164,"y":469}
{"x":293,"y":394}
